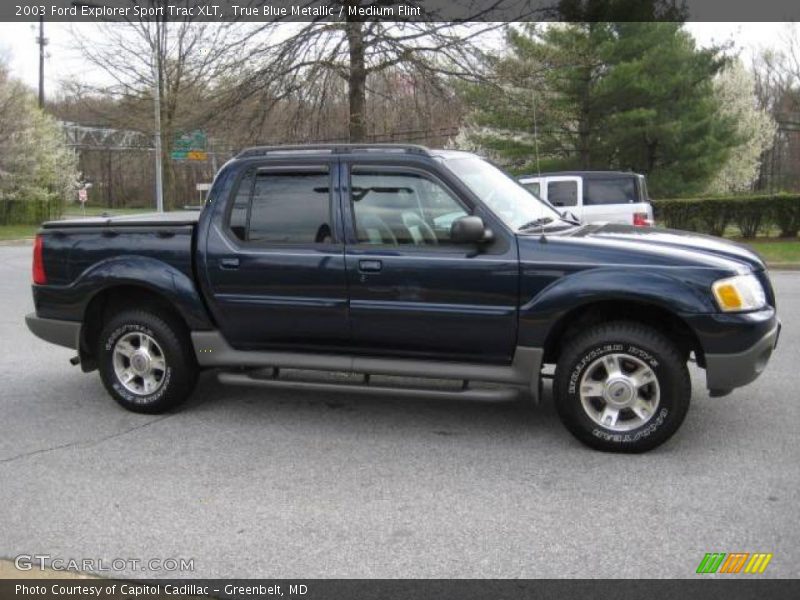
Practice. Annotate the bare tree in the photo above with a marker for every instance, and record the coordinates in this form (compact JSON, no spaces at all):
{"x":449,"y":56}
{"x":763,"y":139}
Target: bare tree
{"x":777,"y":79}
{"x":180,"y":60}
{"x":306,"y":57}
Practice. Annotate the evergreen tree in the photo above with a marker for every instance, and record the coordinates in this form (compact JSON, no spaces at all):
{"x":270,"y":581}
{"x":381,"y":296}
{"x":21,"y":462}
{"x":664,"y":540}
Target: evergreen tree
{"x":608,"y":95}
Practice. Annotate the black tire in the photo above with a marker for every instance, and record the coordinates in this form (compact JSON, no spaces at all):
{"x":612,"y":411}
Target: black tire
{"x":175,"y":382}
{"x":640,"y":343}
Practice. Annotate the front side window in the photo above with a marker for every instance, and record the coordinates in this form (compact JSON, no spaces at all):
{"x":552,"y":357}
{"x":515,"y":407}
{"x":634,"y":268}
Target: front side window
{"x":283,"y":208}
{"x":533,"y":187}
{"x":562,"y":193}
{"x":401,"y":208}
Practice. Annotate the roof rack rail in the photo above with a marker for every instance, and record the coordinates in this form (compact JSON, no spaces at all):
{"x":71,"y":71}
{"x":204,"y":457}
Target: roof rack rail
{"x":332,"y":149}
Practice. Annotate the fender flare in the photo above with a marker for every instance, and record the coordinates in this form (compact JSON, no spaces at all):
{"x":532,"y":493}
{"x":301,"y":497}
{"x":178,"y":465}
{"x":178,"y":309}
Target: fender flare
{"x":670,"y":290}
{"x":148,"y":273}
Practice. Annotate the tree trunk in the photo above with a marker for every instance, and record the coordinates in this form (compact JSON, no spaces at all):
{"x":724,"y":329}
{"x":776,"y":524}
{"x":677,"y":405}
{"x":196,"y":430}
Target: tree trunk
{"x":585,"y":122}
{"x":357,"y":81}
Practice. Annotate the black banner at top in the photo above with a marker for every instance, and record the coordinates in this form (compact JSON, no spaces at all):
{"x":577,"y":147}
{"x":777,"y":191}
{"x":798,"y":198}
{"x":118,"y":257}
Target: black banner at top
{"x":399,"y":10}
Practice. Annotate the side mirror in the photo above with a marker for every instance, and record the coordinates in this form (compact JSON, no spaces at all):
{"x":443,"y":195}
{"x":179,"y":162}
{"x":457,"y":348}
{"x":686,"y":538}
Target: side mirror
{"x":470,"y":230}
{"x":570,"y":216}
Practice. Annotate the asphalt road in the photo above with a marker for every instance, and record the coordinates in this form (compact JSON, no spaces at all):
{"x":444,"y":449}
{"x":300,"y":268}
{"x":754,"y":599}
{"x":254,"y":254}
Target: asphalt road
{"x":251,"y":483}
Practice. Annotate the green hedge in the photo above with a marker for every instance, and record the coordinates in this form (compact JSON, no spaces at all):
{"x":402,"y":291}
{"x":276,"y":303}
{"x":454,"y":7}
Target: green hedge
{"x":29,"y":212}
{"x":750,"y":214}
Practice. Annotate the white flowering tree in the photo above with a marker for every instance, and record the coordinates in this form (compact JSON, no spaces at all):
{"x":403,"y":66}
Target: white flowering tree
{"x":38,"y":172}
{"x":736,"y":92}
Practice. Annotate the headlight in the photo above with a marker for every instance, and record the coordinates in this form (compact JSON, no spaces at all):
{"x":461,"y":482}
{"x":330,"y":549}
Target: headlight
{"x":742,"y":292}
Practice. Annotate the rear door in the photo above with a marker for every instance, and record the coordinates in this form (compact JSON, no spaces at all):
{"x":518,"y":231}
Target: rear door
{"x":412,"y":291}
{"x":275,"y":261}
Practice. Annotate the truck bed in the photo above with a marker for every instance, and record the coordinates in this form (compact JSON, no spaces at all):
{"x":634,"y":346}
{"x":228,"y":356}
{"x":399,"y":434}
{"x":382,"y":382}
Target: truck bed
{"x":72,"y":247}
{"x":144,"y":220}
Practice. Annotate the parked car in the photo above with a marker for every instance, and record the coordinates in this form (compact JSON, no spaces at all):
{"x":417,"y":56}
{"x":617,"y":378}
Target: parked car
{"x":595,"y":196}
{"x":387,"y":261}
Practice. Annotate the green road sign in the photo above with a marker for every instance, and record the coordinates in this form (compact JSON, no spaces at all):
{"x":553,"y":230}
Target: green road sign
{"x":191,"y":141}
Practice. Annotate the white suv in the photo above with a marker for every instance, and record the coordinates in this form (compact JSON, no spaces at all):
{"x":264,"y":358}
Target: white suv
{"x":595,"y":196}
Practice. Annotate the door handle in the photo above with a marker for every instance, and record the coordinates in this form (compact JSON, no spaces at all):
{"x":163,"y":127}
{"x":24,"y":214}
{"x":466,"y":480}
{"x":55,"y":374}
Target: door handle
{"x":229,"y":263}
{"x":369,"y":266}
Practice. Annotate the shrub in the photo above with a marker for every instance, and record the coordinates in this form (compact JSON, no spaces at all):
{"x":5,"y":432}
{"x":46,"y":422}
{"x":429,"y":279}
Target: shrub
{"x":750,"y":214}
{"x":785,"y":214}
{"x":36,"y":207}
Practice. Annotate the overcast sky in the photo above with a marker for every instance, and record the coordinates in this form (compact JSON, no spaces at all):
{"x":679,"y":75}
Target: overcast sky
{"x":18,"y":44}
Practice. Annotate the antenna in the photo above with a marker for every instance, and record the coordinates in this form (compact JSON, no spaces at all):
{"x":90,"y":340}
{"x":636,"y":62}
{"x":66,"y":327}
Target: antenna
{"x":542,"y":237}
{"x":536,"y":137}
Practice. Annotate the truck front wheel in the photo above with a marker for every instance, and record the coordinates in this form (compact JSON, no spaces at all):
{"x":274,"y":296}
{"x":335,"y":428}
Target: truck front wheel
{"x":622,"y":387}
{"x":146,"y":361}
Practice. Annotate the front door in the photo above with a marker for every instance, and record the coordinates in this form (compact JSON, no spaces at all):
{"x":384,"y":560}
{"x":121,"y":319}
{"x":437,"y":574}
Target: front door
{"x":565,"y":193}
{"x":413,"y":292}
{"x":275,"y":268}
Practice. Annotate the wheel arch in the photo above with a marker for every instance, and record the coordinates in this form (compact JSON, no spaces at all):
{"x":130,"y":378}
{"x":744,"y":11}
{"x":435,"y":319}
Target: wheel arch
{"x":113,"y":299}
{"x":590,"y":313}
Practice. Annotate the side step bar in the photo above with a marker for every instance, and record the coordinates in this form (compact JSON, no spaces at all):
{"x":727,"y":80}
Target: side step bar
{"x":476,"y":394}
{"x":212,"y":350}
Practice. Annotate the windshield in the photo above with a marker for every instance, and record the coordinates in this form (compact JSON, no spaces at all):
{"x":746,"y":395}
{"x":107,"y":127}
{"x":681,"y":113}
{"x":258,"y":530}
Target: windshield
{"x":516,"y":206}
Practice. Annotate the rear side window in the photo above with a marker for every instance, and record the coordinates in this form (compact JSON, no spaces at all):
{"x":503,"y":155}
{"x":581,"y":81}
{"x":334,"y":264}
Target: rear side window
{"x":617,"y":190}
{"x":283,"y":208}
{"x":562,"y":193}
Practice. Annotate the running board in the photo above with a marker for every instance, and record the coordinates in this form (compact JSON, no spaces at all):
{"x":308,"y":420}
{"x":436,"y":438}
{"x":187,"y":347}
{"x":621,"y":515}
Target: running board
{"x":212,"y":350}
{"x":475,"y":394}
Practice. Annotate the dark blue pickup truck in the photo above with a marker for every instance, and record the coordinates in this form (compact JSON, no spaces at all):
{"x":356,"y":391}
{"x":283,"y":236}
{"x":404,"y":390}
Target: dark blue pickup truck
{"x":358,"y":267}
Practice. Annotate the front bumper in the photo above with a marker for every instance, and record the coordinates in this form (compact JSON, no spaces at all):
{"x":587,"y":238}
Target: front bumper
{"x":727,"y":371}
{"x":61,"y":333}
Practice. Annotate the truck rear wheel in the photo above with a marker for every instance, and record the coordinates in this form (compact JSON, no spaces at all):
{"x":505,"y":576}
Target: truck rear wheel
{"x":146,"y":361}
{"x":622,"y":387}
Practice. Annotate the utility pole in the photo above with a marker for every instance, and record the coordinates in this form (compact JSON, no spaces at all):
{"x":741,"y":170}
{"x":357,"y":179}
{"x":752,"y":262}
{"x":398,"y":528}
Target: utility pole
{"x":42,"y":41}
{"x":157,"y":102}
{"x":156,"y":62}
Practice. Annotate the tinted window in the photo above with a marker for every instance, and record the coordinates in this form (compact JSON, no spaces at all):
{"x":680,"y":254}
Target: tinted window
{"x":532,"y":187}
{"x":402,"y":208}
{"x":241,"y":206}
{"x":619,"y":190}
{"x":291,"y":208}
{"x":562,"y":193}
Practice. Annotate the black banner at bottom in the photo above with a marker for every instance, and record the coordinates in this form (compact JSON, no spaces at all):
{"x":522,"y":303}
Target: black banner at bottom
{"x":398,"y":589}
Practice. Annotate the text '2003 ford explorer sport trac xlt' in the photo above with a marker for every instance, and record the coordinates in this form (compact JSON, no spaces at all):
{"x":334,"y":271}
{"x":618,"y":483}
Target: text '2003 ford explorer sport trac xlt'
{"x":398,"y":261}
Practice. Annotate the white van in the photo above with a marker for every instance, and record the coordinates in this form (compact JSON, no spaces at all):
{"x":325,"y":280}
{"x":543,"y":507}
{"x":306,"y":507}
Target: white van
{"x":595,"y":196}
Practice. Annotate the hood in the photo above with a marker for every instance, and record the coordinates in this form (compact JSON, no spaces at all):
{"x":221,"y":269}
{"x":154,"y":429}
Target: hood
{"x":615,"y":244}
{"x":675,"y":241}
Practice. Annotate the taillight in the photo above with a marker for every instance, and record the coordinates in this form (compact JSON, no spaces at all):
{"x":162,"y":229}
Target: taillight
{"x":641,"y":220}
{"x":39,"y":276}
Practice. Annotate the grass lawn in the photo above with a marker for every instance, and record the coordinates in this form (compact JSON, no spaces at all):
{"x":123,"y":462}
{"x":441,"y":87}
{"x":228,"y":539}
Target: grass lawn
{"x":19,"y":232}
{"x":776,"y":251}
{"x":73,"y":211}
